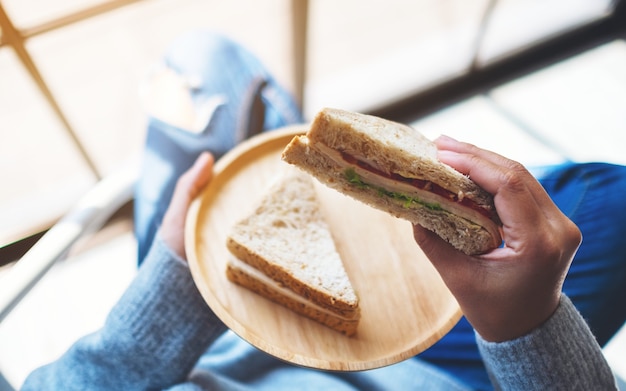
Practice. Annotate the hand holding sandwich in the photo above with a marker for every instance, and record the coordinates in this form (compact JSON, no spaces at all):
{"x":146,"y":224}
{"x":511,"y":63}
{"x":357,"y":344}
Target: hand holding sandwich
{"x":513,"y":289}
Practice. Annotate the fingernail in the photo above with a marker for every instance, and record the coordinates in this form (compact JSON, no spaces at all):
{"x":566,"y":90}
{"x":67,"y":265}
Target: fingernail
{"x":446,"y":156}
{"x":445,"y":137}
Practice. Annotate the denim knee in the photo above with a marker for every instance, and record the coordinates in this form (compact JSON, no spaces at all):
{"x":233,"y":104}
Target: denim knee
{"x":200,"y":52}
{"x":212,"y":66}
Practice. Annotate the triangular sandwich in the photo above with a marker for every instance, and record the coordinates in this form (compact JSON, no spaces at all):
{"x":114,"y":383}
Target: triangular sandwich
{"x":285,"y":252}
{"x":393,"y":167}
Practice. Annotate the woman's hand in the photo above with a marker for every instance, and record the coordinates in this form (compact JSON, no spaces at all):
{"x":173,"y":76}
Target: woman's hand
{"x":511,"y":290}
{"x":187,"y":188}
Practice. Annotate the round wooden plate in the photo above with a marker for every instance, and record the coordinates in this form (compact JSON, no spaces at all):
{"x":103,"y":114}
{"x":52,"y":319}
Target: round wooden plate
{"x":405,"y":306}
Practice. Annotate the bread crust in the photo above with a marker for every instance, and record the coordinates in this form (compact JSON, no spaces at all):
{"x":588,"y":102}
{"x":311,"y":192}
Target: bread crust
{"x":405,"y":151}
{"x":345,"y":308}
{"x":465,"y":235}
{"x":345,"y":326}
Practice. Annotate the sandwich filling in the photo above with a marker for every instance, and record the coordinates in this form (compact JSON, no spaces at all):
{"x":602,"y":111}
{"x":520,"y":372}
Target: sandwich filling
{"x":431,"y":195}
{"x":420,"y":184}
{"x":283,"y":290}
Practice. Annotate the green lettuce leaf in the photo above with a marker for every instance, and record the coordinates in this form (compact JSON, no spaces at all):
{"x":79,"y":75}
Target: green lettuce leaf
{"x":407,"y":201}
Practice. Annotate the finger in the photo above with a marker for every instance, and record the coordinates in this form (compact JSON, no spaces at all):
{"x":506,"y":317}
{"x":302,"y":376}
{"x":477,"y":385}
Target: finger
{"x":446,"y":143}
{"x":523,"y":209}
{"x":433,"y":246}
{"x":453,"y":266}
{"x":523,"y":206}
{"x":512,"y":195}
{"x":452,"y":152}
{"x":187,"y":188}
{"x":193,"y":180}
{"x":462,"y":157}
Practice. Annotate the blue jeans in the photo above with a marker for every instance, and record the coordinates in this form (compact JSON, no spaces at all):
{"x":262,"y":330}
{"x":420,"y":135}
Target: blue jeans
{"x":590,"y":194}
{"x":218,"y":67}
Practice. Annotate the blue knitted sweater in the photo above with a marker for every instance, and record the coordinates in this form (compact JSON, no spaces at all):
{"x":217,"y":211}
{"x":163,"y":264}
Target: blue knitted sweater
{"x":161,"y":335}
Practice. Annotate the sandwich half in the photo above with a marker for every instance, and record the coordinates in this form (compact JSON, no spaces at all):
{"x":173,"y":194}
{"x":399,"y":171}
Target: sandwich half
{"x":285,"y":252}
{"x":394,"y":168}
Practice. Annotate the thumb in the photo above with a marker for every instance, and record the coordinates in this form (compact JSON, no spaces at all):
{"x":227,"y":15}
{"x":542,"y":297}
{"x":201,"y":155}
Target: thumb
{"x":187,"y":188}
{"x":450,"y":263}
{"x":193,"y":180}
{"x":433,"y":246}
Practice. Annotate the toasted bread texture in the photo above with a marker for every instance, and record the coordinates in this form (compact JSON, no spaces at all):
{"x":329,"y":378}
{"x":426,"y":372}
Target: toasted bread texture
{"x":394,"y":148}
{"x":288,"y":239}
{"x":390,"y":146}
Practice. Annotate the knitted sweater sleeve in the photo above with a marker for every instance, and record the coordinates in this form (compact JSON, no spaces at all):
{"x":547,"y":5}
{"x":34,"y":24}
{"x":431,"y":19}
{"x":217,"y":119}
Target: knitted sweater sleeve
{"x":562,"y":354}
{"x":151,"y":339}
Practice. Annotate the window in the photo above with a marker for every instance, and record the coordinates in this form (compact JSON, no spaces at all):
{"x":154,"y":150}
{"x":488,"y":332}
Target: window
{"x":91,"y":56}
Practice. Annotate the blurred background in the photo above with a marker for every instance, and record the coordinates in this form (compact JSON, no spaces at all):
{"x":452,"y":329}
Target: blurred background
{"x":70,"y":70}
{"x":538,"y":80}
